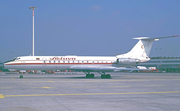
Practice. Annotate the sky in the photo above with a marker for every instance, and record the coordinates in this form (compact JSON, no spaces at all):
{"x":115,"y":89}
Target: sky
{"x":87,"y":27}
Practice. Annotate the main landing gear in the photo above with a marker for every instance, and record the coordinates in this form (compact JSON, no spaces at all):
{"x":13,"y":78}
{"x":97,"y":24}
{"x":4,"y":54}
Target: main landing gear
{"x":105,"y":76}
{"x":89,"y":75}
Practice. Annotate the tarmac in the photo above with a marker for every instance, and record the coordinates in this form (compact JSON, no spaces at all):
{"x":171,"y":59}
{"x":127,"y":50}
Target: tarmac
{"x":74,"y":92}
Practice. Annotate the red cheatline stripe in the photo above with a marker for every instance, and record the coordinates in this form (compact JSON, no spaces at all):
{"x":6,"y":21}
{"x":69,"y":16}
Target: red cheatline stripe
{"x":53,"y":63}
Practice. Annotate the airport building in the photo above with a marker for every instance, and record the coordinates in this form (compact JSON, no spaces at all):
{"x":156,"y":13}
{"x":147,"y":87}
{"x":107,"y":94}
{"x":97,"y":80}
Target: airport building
{"x":163,"y":64}
{"x":1,"y":66}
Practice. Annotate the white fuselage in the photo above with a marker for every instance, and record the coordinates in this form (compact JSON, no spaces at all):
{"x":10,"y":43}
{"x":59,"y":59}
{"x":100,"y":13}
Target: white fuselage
{"x":63,"y":62}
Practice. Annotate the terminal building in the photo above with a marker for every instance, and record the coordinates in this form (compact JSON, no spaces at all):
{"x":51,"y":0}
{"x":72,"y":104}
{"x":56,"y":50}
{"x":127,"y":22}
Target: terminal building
{"x":163,"y":64}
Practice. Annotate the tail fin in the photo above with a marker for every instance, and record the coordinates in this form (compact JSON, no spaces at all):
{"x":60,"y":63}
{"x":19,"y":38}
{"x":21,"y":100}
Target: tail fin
{"x":142,"y":48}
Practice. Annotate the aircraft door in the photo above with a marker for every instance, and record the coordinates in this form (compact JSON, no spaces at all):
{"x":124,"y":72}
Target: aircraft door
{"x":23,"y":62}
{"x":23,"y":65}
{"x":44,"y":62}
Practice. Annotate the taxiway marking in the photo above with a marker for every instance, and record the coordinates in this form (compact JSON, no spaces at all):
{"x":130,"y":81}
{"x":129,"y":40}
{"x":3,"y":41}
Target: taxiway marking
{"x":153,"y":85}
{"x":105,"y":80}
{"x":86,"y":87}
{"x":119,"y":86}
{"x":91,"y":86}
{"x":83,"y":94}
{"x":176,"y":79}
{"x":5,"y":87}
{"x":51,"y":81}
{"x":158,"y":79}
{"x":1,"y":96}
{"x":43,"y":87}
{"x":96,"y":87}
{"x":131,"y":80}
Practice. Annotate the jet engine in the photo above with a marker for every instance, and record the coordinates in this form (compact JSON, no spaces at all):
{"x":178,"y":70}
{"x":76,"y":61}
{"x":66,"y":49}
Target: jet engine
{"x":127,"y":61}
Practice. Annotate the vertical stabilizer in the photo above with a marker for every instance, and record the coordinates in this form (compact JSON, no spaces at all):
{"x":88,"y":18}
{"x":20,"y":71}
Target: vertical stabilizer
{"x":142,"y":49}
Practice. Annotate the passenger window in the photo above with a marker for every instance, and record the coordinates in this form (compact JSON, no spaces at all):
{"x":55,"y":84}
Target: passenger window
{"x":49,"y":61}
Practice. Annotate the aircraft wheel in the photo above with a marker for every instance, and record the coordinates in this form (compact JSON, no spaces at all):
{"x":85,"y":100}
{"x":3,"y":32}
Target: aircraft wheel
{"x":87,"y":75}
{"x":108,"y":76}
{"x":21,"y":76}
{"x":103,"y":76}
{"x":92,"y":75}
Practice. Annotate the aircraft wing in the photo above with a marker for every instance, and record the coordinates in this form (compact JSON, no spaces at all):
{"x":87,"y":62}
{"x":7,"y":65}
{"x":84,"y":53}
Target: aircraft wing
{"x":102,"y":69}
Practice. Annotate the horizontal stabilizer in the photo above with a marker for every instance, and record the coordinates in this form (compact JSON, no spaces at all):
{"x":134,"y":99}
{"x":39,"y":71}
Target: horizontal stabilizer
{"x":157,"y":38}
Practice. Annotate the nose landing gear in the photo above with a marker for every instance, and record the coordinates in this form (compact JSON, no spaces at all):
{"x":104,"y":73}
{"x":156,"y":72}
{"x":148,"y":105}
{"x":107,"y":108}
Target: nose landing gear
{"x":21,"y":76}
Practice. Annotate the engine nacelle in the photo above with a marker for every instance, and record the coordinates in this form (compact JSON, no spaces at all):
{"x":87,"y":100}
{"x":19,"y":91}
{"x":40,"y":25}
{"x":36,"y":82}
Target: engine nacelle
{"x":127,"y":61}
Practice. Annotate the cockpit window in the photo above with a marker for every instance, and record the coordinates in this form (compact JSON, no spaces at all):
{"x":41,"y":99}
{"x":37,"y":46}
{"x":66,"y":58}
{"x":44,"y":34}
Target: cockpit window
{"x":16,"y":58}
{"x":11,"y":60}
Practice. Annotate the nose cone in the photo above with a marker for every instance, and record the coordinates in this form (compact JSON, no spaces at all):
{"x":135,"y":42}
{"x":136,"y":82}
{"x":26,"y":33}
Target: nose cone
{"x":5,"y":64}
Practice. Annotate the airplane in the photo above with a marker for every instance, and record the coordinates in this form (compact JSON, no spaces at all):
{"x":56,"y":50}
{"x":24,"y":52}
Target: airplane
{"x":88,"y":64}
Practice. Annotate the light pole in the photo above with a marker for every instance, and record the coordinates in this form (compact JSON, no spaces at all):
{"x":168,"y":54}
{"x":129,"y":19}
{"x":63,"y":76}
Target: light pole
{"x":33,"y":28}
